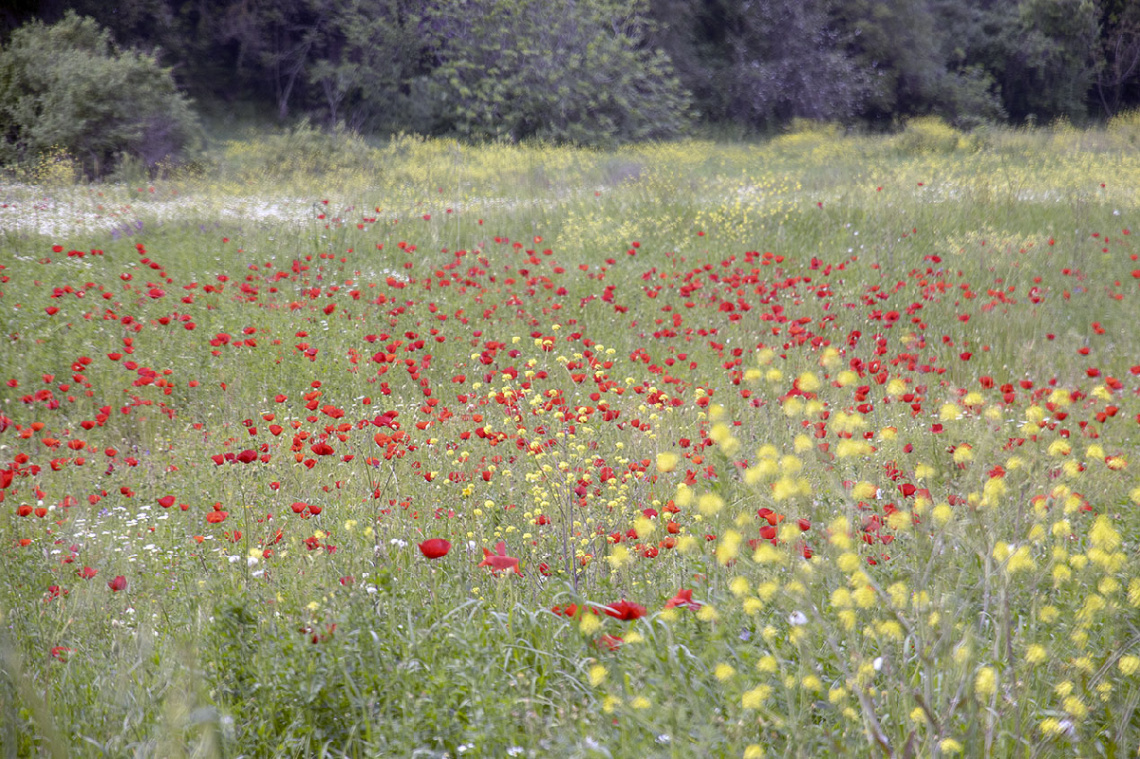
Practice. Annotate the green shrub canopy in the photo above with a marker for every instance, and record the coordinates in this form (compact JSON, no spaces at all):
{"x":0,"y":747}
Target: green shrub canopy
{"x":67,"y":86}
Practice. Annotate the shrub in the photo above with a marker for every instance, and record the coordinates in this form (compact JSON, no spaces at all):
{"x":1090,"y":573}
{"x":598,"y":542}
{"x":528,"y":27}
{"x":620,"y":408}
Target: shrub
{"x":1124,"y":129}
{"x":54,"y":167}
{"x":68,"y":87}
{"x":803,"y":134}
{"x":302,"y":152}
{"x":930,"y":134}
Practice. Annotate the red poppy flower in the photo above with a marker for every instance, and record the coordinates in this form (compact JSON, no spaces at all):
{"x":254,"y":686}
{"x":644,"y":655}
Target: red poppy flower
{"x":609,"y":642}
{"x":683,"y":599}
{"x":499,"y":561}
{"x":87,"y":573}
{"x":119,"y":583}
{"x":625,"y":610}
{"x":435,"y":548}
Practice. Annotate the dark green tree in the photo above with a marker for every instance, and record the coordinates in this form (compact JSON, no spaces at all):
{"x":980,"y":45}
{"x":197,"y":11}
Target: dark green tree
{"x":603,"y":70}
{"x":366,"y":71}
{"x":276,"y":42}
{"x":788,"y":61}
{"x":695,"y":35}
{"x":1118,"y":78}
{"x":1042,"y":54}
{"x":899,"y":46}
{"x":1053,"y":69}
{"x":566,"y":70}
{"x":67,"y":86}
{"x":888,"y":40}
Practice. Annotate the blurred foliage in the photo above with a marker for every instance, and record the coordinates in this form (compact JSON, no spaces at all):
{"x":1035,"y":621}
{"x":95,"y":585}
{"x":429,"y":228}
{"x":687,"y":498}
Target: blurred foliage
{"x":599,"y":72}
{"x":565,"y":70}
{"x":68,"y":87}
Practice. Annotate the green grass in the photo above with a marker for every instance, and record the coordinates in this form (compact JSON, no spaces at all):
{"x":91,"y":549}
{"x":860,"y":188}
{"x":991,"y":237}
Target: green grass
{"x":921,"y":348}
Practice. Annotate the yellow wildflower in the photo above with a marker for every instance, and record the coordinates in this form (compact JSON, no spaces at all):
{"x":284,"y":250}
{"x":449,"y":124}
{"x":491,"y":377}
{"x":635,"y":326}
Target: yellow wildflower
{"x":985,"y":682}
{"x":756,"y":697}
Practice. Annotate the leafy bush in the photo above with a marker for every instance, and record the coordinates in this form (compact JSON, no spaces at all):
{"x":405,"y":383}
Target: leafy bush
{"x":1124,"y":129}
{"x":806,"y":134}
{"x":68,"y":87}
{"x":54,"y":167}
{"x":930,"y":134}
{"x":300,"y":152}
{"x":970,"y":99}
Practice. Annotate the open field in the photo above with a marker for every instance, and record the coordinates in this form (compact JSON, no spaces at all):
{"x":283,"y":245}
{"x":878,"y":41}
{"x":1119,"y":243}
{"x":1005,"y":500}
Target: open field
{"x":823,"y":446}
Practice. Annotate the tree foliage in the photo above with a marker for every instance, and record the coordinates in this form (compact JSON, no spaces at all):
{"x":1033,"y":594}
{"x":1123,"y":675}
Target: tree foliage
{"x":66,"y":86}
{"x":907,"y":76}
{"x":599,"y":71}
{"x":1118,"y":77}
{"x":563,"y":70}
{"x":788,"y":62}
{"x":1055,"y":65}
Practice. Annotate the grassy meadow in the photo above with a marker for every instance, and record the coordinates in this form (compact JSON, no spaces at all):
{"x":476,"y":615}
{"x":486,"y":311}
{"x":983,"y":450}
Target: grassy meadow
{"x":822,"y":446}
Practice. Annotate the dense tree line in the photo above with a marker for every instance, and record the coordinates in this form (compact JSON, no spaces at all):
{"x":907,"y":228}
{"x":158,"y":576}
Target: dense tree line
{"x":760,"y":62}
{"x":600,"y":71}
